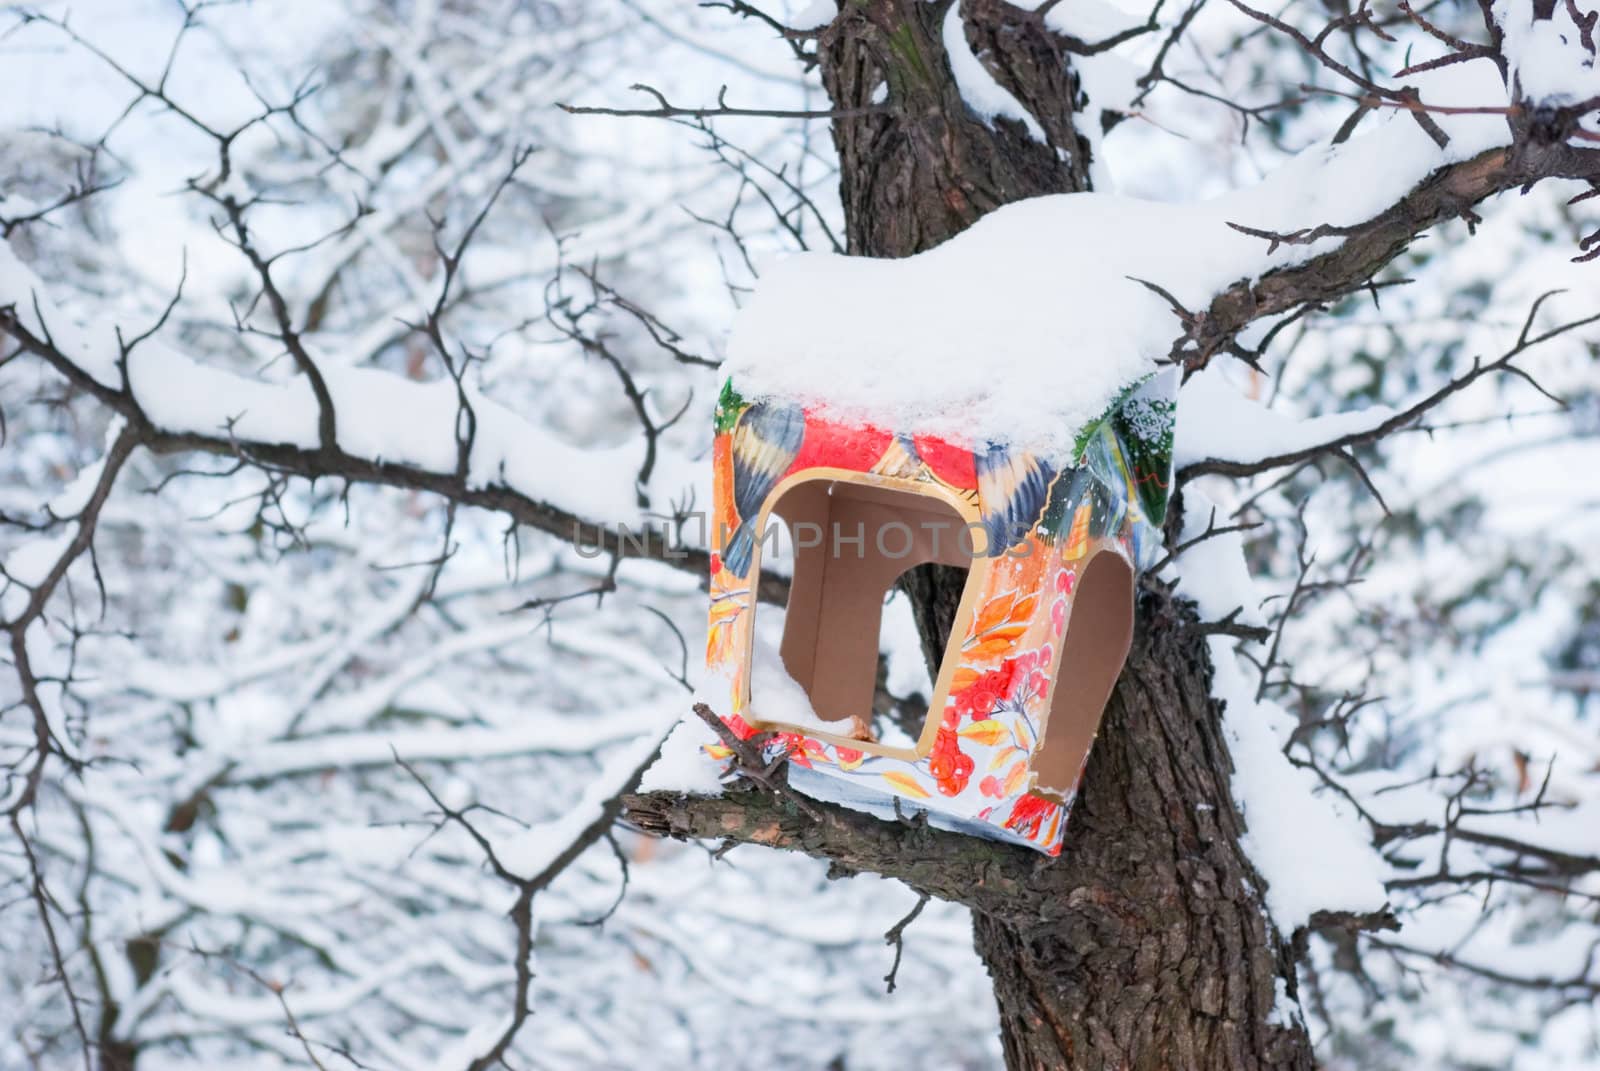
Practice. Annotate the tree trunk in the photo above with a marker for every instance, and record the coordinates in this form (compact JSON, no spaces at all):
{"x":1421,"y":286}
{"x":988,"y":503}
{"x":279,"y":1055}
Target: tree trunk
{"x":1164,"y":957}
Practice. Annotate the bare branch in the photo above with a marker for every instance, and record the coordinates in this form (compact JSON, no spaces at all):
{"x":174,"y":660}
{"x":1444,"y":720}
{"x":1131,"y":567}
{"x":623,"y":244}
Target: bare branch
{"x":1341,"y":446}
{"x":665,"y":109}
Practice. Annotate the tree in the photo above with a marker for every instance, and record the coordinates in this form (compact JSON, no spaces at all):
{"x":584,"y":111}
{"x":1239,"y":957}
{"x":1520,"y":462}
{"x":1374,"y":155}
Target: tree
{"x":1149,"y":943}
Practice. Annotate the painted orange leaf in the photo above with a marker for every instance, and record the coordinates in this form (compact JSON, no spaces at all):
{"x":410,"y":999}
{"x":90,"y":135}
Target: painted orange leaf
{"x":907,"y":784}
{"x":1023,"y":736}
{"x":1014,"y":778}
{"x":1023,"y":610}
{"x":963,"y":677}
{"x":987,"y":732}
{"x":994,"y":611}
{"x":1001,"y":757}
{"x":997,"y":642}
{"x":1078,"y":536}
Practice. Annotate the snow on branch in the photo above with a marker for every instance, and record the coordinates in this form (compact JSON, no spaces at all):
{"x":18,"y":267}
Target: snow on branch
{"x":384,"y":429}
{"x":1221,"y":432}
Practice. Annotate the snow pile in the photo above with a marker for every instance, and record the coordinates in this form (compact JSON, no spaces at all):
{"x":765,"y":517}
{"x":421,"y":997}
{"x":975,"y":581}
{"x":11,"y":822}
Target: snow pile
{"x":379,"y":415}
{"x":814,"y":16}
{"x":1212,"y":571}
{"x":1313,"y":855}
{"x":979,"y":90}
{"x":1009,"y":332}
{"x":1547,"y":56}
{"x":1216,"y":422}
{"x":782,"y":699}
{"x":684,"y":765}
{"x":28,"y":566}
{"x":530,"y":852}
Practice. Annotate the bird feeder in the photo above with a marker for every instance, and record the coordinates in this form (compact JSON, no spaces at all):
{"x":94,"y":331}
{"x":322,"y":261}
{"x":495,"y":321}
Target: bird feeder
{"x":1051,"y":545}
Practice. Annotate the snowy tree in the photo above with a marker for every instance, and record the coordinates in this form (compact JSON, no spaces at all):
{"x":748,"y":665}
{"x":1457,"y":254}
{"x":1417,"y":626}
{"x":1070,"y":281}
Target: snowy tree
{"x":337,"y":391}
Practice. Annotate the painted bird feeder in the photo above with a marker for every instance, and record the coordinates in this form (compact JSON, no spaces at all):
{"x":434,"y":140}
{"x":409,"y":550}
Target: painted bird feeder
{"x":1051,"y":545}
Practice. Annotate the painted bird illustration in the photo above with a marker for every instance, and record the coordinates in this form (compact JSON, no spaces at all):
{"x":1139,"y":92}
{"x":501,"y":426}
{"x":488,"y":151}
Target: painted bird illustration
{"x":766,"y":441}
{"x":1079,"y":492}
{"x":1012,"y":487}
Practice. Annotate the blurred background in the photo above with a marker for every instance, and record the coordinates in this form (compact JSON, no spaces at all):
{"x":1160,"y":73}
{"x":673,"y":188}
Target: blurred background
{"x":243,"y":876}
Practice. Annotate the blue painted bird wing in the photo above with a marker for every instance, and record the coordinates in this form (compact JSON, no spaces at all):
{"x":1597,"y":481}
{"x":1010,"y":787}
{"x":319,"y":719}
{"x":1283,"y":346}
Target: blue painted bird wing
{"x":1012,"y":487}
{"x":765,"y":443}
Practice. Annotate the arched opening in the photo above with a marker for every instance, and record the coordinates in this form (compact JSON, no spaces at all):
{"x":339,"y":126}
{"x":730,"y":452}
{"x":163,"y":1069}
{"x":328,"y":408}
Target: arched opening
{"x":852,"y":539}
{"x":903,"y":694}
{"x":1099,"y":633}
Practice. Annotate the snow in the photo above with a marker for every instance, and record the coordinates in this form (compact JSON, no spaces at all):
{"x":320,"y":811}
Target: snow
{"x":978,"y":88}
{"x":531,"y":851}
{"x":1313,"y":855}
{"x":534,"y":731}
{"x":20,"y":287}
{"x":1285,"y":1009}
{"x":379,"y":415}
{"x":906,"y":670}
{"x":1087,"y":20}
{"x":684,"y":765}
{"x":74,"y":497}
{"x":1547,"y":56}
{"x":1108,"y":81}
{"x":777,"y":697}
{"x":1217,"y":422}
{"x":1007,"y":333}
{"x":1213,"y":571}
{"x":814,"y":15}
{"x":31,"y":562}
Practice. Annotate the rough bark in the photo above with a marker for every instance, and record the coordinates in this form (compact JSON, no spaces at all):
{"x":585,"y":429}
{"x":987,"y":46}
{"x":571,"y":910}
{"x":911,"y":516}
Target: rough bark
{"x":913,"y":178}
{"x":1166,"y":959}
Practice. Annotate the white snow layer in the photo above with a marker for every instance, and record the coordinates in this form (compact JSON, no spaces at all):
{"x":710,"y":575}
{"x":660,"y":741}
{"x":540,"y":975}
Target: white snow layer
{"x":684,"y":765}
{"x":1547,"y":56}
{"x":1009,"y":332}
{"x":1217,"y":422}
{"x":978,"y":88}
{"x":380,"y":416}
{"x":1213,"y":571}
{"x":1313,"y":855}
{"x":533,"y":850}
{"x":815,"y":15}
{"x":783,"y":699}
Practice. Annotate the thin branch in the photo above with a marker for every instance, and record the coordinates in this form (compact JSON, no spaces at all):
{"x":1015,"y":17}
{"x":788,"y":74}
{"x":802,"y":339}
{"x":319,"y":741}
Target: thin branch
{"x":665,"y":109}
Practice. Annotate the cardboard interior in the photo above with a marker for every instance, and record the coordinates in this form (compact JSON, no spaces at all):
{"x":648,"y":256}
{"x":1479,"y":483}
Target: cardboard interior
{"x":836,"y":596}
{"x":1099,"y":633}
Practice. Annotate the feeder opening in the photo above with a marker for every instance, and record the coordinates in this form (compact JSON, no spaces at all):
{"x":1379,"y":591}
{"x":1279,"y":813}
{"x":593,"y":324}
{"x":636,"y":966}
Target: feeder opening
{"x":1099,"y":633}
{"x":852,"y":540}
{"x":915,"y":686}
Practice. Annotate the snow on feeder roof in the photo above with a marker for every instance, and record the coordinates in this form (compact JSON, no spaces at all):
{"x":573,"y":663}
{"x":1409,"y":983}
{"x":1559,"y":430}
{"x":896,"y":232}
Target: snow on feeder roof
{"x":1006,"y":332}
{"x":878,"y":463}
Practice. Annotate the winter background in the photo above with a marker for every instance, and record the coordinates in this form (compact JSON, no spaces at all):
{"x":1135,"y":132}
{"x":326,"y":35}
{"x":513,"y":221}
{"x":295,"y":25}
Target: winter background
{"x":240,"y":873}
